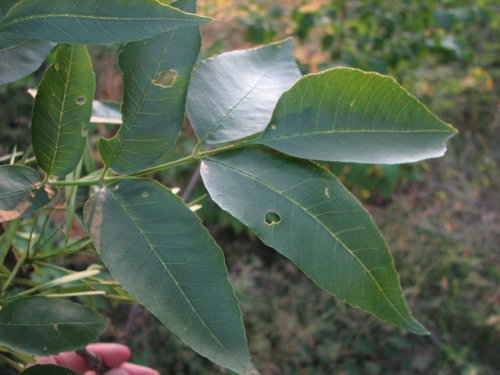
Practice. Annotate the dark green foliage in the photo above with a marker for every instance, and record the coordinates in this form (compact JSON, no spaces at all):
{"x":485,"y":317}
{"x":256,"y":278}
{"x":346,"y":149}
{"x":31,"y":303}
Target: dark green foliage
{"x":149,"y":239}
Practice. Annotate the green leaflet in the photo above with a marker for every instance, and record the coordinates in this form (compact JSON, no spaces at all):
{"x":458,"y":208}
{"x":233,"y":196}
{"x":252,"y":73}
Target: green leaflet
{"x":43,"y":326}
{"x":306,"y":214}
{"x":62,"y":110}
{"x":348,"y":115}
{"x":162,"y":255}
{"x":19,"y":56}
{"x":21,"y":192}
{"x":94,"y":21}
{"x":156,"y":74}
{"x":48,"y":369}
{"x":233,"y":95}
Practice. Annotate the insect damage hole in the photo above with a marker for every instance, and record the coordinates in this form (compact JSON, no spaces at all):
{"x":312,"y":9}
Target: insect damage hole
{"x":81,"y":100}
{"x":165,"y":79}
{"x":272,"y":218}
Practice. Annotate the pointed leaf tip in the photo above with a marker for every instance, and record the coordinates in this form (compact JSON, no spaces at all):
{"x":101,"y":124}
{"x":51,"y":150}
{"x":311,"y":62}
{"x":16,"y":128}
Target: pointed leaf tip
{"x":159,"y":251}
{"x":62,"y":110}
{"x":94,"y":21}
{"x":305,"y":213}
{"x":348,"y":115}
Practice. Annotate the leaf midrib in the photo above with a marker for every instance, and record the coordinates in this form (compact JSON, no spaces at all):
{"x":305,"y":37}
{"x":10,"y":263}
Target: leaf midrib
{"x":62,"y":109}
{"x":146,"y":93}
{"x":351,"y":253}
{"x":360,"y":131}
{"x":220,"y":121}
{"x":90,"y":17}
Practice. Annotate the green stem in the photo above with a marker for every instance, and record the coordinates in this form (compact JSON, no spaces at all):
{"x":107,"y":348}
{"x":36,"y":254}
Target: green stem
{"x":10,"y":156}
{"x":82,"y":182}
{"x":21,"y":260}
{"x":165,"y":166}
{"x":194,"y":157}
{"x":84,"y":243}
{"x":42,"y":231}
{"x":12,"y":363}
{"x":7,"y":238}
{"x":70,"y":195}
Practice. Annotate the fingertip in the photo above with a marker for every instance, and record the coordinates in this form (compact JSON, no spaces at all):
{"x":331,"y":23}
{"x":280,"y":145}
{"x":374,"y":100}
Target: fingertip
{"x":117,"y":371}
{"x":134,"y":369}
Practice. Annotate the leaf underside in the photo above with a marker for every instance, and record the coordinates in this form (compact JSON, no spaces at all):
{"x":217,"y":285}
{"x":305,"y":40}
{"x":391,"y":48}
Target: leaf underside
{"x":306,"y":214}
{"x":233,"y":95}
{"x":349,"y":115}
{"x":158,"y":250}
{"x":21,"y":192}
{"x":20,"y":56}
{"x":156,"y":74}
{"x":44,"y":326}
{"x":94,"y":21}
{"x":62,"y":110}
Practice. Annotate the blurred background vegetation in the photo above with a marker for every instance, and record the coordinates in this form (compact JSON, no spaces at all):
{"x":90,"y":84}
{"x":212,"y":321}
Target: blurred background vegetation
{"x":441,"y":218}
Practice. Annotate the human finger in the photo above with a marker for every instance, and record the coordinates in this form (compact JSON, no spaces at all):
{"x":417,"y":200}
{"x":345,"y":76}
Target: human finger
{"x":112,"y":355}
{"x":73,"y":361}
{"x":134,"y":369}
{"x":48,"y":360}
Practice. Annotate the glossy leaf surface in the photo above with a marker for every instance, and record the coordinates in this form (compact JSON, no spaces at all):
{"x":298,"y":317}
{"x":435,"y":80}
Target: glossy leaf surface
{"x":352,"y":116}
{"x":48,"y":370}
{"x":306,"y":214}
{"x":43,"y":326}
{"x":62,"y":110}
{"x":21,"y":192}
{"x":162,"y":255}
{"x":94,"y":21}
{"x":156,"y":74}
{"x":233,"y":95}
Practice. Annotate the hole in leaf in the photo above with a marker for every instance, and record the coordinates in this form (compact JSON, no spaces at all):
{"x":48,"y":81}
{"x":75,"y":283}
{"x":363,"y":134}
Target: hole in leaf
{"x":272,"y":218}
{"x":145,"y":194}
{"x":85,"y":132}
{"x":81,"y":100}
{"x":165,"y":79}
{"x":56,"y":67}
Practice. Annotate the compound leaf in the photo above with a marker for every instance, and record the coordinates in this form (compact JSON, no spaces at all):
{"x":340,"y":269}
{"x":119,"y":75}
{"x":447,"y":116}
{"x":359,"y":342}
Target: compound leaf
{"x":43,"y":326}
{"x":62,"y":110}
{"x":94,"y":21}
{"x":305,"y":213}
{"x":162,"y":255}
{"x":21,"y":192}
{"x":348,"y":115}
{"x":233,"y":95}
{"x":156,"y":73}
